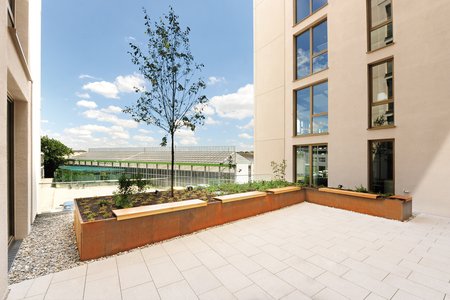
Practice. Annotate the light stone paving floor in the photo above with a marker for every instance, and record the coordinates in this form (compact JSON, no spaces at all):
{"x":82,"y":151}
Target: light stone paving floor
{"x":305,"y":251}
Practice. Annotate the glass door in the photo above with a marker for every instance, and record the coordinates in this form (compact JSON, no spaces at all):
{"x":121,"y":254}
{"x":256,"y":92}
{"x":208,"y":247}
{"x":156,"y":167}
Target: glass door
{"x":10,"y":169}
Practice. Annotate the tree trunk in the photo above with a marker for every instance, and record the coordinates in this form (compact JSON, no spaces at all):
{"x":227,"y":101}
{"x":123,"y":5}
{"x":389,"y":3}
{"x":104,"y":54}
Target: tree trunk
{"x":172,"y":166}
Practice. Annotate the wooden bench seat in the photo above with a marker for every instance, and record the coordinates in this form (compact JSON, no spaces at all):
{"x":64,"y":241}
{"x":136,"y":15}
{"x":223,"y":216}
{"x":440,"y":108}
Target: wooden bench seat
{"x":284,"y":190}
{"x":349,"y":193}
{"x":148,"y":210}
{"x":241,"y":196}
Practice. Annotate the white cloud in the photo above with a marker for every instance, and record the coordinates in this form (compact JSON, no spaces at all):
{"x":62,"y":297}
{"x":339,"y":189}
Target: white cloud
{"x":87,"y":104}
{"x":245,"y":136}
{"x":237,"y":105}
{"x":112,"y":109}
{"x":102,"y":116}
{"x":213,"y":80}
{"x":44,"y":121}
{"x":144,"y":131}
{"x":186,"y":137}
{"x":83,"y":95}
{"x":104,"y":88}
{"x":129,"y":83}
{"x":92,"y":135}
{"x":86,"y":76}
{"x":211,"y":121}
{"x":247,"y":126}
{"x":144,"y":139}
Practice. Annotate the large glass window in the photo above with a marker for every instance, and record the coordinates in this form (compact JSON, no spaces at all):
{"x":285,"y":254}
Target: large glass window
{"x":380,"y":23}
{"x":312,"y":165}
{"x":312,"y":109}
{"x":381,"y":164}
{"x":312,"y":50}
{"x":381,"y":94}
{"x":304,"y":8}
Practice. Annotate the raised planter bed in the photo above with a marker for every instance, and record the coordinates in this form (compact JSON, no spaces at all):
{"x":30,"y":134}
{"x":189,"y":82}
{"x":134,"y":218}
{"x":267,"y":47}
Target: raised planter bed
{"x":135,"y":227}
{"x":395,"y":207}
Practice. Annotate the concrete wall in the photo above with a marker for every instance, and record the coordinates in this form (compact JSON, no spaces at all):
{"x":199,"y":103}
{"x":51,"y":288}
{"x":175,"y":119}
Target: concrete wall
{"x":16,"y":82}
{"x":421,"y":90}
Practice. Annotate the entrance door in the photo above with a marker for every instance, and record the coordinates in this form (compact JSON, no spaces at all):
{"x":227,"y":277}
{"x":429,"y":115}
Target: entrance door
{"x":10,"y":168}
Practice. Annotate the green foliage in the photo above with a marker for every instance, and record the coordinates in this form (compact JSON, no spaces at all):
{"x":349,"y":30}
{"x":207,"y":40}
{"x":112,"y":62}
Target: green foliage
{"x":279,"y":169}
{"x":361,"y":189}
{"x":174,"y":97}
{"x":128,"y":186}
{"x":234,"y":188}
{"x":55,"y":154}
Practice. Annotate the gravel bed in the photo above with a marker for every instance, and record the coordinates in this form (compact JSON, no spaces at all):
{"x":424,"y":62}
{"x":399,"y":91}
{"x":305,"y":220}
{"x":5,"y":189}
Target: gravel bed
{"x":50,"y":247}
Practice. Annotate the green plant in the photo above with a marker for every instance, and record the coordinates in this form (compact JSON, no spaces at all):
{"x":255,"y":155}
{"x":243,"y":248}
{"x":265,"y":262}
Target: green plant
{"x":361,"y":189}
{"x":103,"y":202}
{"x":279,"y":169}
{"x":55,"y":154}
{"x":124,"y":191}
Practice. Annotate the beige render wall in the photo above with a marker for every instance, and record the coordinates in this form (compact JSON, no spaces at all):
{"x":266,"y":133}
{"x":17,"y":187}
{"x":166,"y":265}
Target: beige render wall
{"x":421,"y":90}
{"x":269,"y":84}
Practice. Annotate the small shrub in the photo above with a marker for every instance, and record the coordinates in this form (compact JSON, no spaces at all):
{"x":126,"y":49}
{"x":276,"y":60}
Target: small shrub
{"x":361,"y":189}
{"x":103,"y":203}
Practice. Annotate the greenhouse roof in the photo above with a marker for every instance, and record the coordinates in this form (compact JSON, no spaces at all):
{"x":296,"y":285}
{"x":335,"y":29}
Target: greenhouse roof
{"x":195,"y":155}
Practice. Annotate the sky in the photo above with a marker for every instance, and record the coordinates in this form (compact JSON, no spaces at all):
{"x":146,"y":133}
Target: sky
{"x":88,"y":76}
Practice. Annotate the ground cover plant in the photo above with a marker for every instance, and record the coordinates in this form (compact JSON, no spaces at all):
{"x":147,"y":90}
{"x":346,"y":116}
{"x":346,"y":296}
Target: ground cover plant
{"x":129,"y":194}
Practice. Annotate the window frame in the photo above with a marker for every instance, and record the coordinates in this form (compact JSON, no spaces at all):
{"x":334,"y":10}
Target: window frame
{"x":370,"y":163}
{"x":371,"y":29}
{"x":11,"y":13}
{"x":310,"y":160}
{"x":384,"y":102}
{"x":310,"y":29}
{"x":311,"y":12}
{"x":311,"y":109}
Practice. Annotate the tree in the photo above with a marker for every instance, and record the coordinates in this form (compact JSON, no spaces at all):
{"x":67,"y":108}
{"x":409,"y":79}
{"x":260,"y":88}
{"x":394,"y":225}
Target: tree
{"x":173,"y":99}
{"x":55,"y":154}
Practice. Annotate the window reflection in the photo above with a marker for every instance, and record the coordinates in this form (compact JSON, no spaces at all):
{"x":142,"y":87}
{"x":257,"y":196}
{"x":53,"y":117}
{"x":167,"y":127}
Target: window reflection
{"x":303,"y":9}
{"x":317,"y":4}
{"x":303,"y":165}
{"x":312,"y":165}
{"x":303,"y":112}
{"x":303,"y":55}
{"x":320,"y":166}
{"x":382,"y":167}
{"x":312,"y":54}
{"x":315,"y":121}
{"x":382,"y":96}
{"x":380,"y":23}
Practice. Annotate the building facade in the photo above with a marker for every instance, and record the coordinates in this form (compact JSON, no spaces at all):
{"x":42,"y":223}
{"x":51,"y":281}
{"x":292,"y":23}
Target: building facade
{"x":19,"y":122}
{"x":356,"y":93}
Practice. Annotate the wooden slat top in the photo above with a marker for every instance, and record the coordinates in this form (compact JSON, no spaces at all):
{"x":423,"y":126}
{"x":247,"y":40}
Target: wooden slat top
{"x":240,"y":196}
{"x":402,"y":197}
{"x":349,"y":193}
{"x":284,"y":190}
{"x":156,"y":209}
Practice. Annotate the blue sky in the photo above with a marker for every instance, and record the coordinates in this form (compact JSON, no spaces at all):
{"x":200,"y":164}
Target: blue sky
{"x":87,"y":74}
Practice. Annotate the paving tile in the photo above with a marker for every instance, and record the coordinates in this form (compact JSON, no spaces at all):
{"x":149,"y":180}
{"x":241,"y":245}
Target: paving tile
{"x":177,"y":291}
{"x":304,"y":267}
{"x":101,"y":269}
{"x":375,"y":286}
{"x":252,"y":292}
{"x":247,"y":248}
{"x":366,"y":269}
{"x":104,"y":288}
{"x":211,"y":259}
{"x":413,"y":288}
{"x":268,"y":262}
{"x":20,"y":290}
{"x":36,"y":297}
{"x":224,"y":249}
{"x":185,"y":260}
{"x":438,"y":285}
{"x":335,"y":256}
{"x":144,"y":291}
{"x":254,"y":240}
{"x":231,"y":278}
{"x":402,"y":295}
{"x":305,"y":284}
{"x":329,"y":294}
{"x":346,"y":288}
{"x":39,"y":285}
{"x":328,"y":265}
{"x":271,"y":284}
{"x":133,"y":274}
{"x":71,"y":289}
{"x":70,"y":274}
{"x":297,"y":250}
{"x":174,"y":246}
{"x":432,"y":272}
{"x":164,"y":273}
{"x":244,"y":264}
{"x":152,"y":252}
{"x":373,"y":296}
{"x":220,"y":293}
{"x":194,"y":244}
{"x":388,"y":266}
{"x":296,"y":295}
{"x":201,"y":279}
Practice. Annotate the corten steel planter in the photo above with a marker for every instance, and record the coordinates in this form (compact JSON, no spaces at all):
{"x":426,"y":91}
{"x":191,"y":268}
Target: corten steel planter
{"x":395,"y":207}
{"x":106,"y":237}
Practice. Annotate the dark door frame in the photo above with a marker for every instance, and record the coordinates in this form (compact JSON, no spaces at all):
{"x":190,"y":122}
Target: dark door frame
{"x":10,"y":169}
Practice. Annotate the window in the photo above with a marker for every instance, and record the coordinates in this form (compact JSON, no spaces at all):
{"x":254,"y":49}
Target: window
{"x":11,"y":12}
{"x":305,"y":8}
{"x":381,"y":166}
{"x":381,"y":94}
{"x":311,"y":50}
{"x":380,"y":23}
{"x":312,"y":165}
{"x":312,"y":109}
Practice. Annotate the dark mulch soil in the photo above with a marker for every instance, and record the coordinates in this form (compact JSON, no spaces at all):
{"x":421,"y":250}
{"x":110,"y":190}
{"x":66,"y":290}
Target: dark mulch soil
{"x":100,"y":208}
